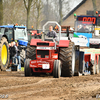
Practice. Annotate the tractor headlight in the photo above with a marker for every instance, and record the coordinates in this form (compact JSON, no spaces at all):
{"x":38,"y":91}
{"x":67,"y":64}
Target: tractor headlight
{"x":46,"y":56}
{"x":38,"y":56}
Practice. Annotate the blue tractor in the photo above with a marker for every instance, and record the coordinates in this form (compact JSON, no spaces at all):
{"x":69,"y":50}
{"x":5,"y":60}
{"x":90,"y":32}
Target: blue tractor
{"x":10,"y":33}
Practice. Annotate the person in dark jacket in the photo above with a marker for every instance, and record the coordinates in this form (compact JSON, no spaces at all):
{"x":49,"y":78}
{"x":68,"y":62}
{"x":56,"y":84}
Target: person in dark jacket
{"x":83,"y":29}
{"x":52,"y":33}
{"x":12,"y":50}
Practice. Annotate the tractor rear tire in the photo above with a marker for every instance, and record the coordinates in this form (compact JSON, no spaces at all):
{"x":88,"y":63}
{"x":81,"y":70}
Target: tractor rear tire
{"x":67,"y":57}
{"x":27,"y":69}
{"x":22,"y":57}
{"x":30,"y":52}
{"x":57,"y":69}
{"x":4,"y":52}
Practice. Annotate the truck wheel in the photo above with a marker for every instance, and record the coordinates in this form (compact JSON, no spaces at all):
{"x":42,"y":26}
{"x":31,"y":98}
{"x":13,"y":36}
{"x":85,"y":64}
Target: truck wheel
{"x":57,"y":69}
{"x":27,"y":69}
{"x":67,"y":56}
{"x":4,"y":51}
{"x":30,"y":52}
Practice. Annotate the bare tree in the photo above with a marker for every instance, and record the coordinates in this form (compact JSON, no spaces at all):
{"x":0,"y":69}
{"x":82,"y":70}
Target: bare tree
{"x":1,"y":12}
{"x":50,"y":11}
{"x":14,"y":12}
{"x":63,"y":7}
{"x":55,"y":10}
{"x":38,"y":15}
{"x":27,"y":4}
{"x":60,"y":11}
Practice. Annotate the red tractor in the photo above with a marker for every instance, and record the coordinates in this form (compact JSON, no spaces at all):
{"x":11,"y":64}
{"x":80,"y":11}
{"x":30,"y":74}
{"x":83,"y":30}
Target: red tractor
{"x":46,"y":56}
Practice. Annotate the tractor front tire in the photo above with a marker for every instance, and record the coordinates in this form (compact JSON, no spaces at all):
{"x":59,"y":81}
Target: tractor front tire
{"x":4,"y":52}
{"x":27,"y":69}
{"x":67,"y":57}
{"x":30,"y":52}
{"x":57,"y":69}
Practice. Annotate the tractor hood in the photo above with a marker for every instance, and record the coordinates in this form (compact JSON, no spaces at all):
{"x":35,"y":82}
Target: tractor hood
{"x":39,"y":42}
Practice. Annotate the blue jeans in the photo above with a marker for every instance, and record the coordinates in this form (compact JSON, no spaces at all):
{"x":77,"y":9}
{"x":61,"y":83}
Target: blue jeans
{"x":19,"y":62}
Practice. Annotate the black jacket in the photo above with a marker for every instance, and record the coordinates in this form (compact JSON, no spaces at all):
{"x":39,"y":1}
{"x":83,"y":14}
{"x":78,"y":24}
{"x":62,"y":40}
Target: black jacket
{"x":83,"y":30}
{"x":12,"y":51}
{"x":52,"y":34}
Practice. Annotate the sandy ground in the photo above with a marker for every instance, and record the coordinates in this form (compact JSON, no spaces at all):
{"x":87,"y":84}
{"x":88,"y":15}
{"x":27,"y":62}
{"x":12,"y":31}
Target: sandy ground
{"x":44,"y":87}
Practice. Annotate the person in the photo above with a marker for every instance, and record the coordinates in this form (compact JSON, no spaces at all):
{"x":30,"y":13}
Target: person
{"x":12,"y":50}
{"x":83,"y":29}
{"x":52,"y":33}
{"x":18,"y":56}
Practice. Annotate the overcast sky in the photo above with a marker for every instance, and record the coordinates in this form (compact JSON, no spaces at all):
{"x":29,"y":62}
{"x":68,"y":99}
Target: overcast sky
{"x":73,"y":4}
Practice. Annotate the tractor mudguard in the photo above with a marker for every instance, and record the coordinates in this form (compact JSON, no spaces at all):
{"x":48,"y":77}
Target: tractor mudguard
{"x":64,"y":43}
{"x":34,"y":41}
{"x":1,"y":35}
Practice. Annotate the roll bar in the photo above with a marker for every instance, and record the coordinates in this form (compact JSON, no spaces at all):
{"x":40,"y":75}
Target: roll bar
{"x":52,"y":22}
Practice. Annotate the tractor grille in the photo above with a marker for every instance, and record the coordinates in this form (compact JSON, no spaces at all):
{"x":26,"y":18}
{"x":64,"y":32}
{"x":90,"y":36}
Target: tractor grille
{"x":42,"y":44}
{"x":42,"y":53}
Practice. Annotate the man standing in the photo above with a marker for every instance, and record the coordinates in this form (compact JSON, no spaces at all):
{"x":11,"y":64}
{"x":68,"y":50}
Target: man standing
{"x":12,"y":50}
{"x":18,"y":56}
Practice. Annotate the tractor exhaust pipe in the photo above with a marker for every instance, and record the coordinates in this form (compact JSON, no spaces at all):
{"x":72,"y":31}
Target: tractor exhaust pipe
{"x":68,"y":33}
{"x":43,"y":36}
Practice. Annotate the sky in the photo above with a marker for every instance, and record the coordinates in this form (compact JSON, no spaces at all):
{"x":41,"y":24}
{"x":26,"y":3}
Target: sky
{"x":73,"y":4}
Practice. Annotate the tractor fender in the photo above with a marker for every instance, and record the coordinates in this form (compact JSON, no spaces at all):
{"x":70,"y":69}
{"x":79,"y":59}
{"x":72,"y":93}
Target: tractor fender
{"x":64,"y":43}
{"x":34,"y":41}
{"x":2,"y":35}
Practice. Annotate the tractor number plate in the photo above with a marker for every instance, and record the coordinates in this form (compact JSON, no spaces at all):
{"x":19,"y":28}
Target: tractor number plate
{"x":45,"y":66}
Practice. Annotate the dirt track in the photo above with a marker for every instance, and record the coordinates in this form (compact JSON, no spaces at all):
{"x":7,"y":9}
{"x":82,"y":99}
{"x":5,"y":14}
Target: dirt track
{"x":48,"y":88}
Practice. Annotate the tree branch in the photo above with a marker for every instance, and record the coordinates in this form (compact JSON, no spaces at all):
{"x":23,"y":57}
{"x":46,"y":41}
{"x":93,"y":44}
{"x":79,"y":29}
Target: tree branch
{"x":25,"y":4}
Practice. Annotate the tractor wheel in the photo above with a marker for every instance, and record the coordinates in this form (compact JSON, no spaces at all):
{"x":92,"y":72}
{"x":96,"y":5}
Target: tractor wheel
{"x":93,"y":70}
{"x":4,"y":51}
{"x":57,"y":69}
{"x":30,"y":52}
{"x":67,"y":56}
{"x":22,"y":57}
{"x":27,"y":69}
{"x":97,"y":69}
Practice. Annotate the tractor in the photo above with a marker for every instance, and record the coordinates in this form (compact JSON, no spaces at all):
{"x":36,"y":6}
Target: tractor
{"x":10,"y":33}
{"x":49,"y":56}
{"x":34,"y":34}
{"x":85,"y":36}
